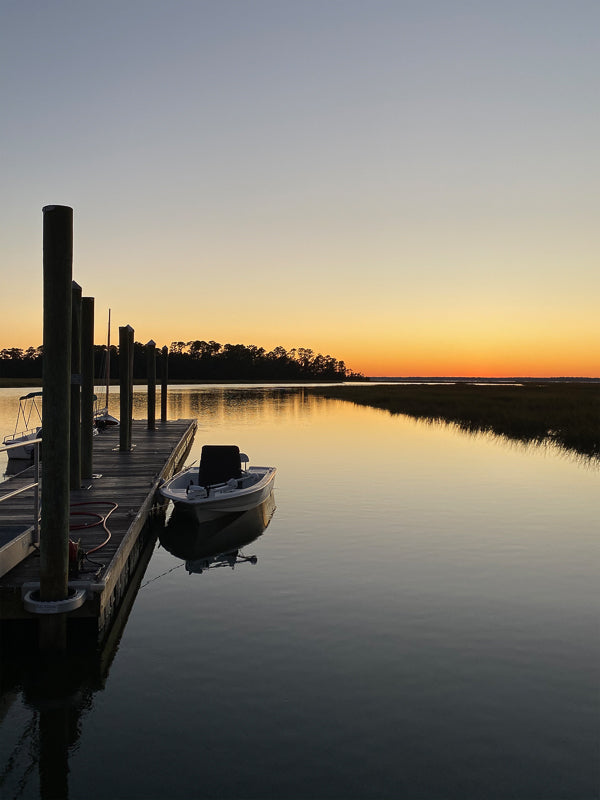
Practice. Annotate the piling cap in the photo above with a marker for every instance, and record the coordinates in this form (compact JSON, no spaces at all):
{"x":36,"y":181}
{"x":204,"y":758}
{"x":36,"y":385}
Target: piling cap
{"x":54,"y":208}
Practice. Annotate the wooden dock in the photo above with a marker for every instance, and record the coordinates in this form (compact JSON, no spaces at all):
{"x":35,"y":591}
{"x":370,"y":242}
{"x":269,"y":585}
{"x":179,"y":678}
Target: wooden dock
{"x":128,"y":479}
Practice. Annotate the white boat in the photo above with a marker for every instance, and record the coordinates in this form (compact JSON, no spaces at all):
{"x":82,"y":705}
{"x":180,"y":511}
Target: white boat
{"x":102,"y":419}
{"x":27,"y":427}
{"x":220,"y":484}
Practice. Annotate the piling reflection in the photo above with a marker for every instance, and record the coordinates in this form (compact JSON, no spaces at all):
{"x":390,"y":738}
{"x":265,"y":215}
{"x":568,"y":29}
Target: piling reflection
{"x":45,"y":696}
{"x":56,"y":691}
{"x":217,"y":542}
{"x":212,"y":404}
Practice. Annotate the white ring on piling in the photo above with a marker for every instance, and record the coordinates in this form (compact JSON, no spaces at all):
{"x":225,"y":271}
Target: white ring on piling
{"x":36,"y":606}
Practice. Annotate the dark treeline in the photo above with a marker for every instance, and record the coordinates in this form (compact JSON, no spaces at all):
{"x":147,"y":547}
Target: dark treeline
{"x":199,"y":361}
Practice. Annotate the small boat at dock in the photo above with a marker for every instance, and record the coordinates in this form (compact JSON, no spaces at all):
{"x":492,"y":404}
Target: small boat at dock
{"x":27,"y":427}
{"x":102,"y":419}
{"x":220,"y":485}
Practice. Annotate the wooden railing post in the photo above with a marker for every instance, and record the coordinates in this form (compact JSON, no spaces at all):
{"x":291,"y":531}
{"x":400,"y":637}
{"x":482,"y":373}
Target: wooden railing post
{"x":87,"y":386}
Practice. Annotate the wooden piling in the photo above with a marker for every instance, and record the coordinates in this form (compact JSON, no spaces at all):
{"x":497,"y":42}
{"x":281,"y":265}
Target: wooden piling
{"x":130,"y":333}
{"x":126,"y":385}
{"x":151,"y":379}
{"x":75,"y":462}
{"x":87,"y":386}
{"x":164,"y":380}
{"x":56,"y":384}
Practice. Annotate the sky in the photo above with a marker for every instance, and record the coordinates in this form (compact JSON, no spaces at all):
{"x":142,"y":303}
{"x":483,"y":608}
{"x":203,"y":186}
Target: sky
{"x":411,"y":187}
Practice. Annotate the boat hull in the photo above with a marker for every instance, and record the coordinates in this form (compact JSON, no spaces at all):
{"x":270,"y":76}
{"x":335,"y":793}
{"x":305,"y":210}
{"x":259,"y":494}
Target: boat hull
{"x":24,"y":451}
{"x":255,"y":487}
{"x":102,"y":420}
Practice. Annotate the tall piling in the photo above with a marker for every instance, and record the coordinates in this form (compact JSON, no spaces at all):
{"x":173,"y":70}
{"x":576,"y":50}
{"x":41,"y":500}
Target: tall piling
{"x":87,"y":386}
{"x":126,"y":386}
{"x":75,"y":462}
{"x":164,"y":382}
{"x":151,"y":380}
{"x":130,"y":333}
{"x":56,"y":385}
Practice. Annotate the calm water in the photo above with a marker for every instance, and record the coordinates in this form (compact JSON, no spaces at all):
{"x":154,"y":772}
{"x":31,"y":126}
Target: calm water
{"x":421,"y":622}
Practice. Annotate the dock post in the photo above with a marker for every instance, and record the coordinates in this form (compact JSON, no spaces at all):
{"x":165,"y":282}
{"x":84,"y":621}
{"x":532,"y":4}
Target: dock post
{"x":164,"y":380}
{"x":130,"y":333}
{"x":87,"y":386}
{"x":75,"y":465}
{"x":151,"y":378}
{"x":126,"y":385}
{"x":56,"y":385}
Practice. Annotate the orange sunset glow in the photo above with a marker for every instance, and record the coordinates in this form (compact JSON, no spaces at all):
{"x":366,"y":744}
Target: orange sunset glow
{"x":408,"y":199}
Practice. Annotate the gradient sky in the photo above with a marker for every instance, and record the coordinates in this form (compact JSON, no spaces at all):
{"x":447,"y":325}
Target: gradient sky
{"x":409,"y":186}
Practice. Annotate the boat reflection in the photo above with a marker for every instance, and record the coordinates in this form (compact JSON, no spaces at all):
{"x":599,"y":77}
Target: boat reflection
{"x":217,"y":542}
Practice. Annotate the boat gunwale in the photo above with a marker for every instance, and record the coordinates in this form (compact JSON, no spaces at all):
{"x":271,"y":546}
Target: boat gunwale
{"x":174,"y":495}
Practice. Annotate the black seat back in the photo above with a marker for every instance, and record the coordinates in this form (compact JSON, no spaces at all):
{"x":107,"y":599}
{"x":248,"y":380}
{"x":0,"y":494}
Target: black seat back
{"x":219,"y":463}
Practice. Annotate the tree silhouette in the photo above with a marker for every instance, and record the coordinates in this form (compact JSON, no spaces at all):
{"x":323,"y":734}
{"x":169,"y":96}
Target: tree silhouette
{"x":199,"y":360}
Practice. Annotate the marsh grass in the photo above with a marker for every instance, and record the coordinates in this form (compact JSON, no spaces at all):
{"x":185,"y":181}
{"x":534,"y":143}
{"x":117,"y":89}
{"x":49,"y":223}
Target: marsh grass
{"x":566,"y":414}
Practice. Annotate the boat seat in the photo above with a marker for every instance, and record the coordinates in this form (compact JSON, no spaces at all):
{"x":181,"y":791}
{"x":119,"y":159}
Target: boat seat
{"x":219,"y":463}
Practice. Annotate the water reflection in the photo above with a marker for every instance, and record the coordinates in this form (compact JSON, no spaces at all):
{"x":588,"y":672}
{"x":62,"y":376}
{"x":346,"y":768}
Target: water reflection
{"x":55,"y":692}
{"x":217,"y":542}
{"x":45,"y":696}
{"x":441,"y":587}
{"x":215,"y":404}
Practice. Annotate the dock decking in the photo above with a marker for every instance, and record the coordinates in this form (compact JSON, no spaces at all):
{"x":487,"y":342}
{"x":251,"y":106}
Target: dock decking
{"x":129,"y":479}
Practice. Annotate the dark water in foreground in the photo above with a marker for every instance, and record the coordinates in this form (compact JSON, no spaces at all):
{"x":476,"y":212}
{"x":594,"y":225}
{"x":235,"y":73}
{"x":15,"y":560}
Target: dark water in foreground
{"x":420,"y":620}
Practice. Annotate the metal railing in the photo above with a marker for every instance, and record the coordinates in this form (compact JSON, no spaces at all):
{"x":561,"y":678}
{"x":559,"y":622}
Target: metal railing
{"x":35,"y":484}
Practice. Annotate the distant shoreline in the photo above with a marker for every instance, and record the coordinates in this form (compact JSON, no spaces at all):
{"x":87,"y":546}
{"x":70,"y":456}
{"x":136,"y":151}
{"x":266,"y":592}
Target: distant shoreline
{"x":15,"y":383}
{"x":496,"y":381}
{"x":27,"y":383}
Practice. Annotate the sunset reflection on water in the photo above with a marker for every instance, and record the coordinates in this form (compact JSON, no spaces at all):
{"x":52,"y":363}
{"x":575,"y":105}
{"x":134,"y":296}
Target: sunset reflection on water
{"x":420,"y":613}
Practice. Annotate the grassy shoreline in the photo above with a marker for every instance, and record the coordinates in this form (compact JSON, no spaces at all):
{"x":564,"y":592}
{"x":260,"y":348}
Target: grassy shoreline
{"x":566,"y":414}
